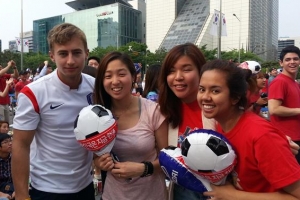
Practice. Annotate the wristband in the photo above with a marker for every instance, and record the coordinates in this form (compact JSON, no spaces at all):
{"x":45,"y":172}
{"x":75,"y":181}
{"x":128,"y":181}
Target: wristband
{"x":255,"y":105}
{"x":28,"y":198}
{"x":148,"y":169}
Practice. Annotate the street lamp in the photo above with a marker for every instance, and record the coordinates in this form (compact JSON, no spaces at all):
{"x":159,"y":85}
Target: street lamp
{"x":239,"y":60}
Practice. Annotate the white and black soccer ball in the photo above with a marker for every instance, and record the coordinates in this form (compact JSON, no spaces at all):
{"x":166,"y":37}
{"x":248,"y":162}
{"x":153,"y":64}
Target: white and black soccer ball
{"x":251,"y":65}
{"x":95,"y":129}
{"x":208,"y":154}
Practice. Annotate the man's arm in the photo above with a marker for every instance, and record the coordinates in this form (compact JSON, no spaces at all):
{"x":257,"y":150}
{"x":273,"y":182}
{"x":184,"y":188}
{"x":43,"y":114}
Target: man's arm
{"x":5,"y":69}
{"x":228,"y":192}
{"x":20,"y":162}
{"x":16,"y":73}
{"x":7,"y":87}
{"x":275,"y":108}
{"x":42,"y":72}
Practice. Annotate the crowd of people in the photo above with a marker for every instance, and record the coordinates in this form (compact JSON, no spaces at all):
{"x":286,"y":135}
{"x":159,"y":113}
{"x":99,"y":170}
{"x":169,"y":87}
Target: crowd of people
{"x":182,"y":94}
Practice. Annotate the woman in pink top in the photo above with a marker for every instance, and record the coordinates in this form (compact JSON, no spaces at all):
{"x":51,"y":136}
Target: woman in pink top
{"x":142,"y":132}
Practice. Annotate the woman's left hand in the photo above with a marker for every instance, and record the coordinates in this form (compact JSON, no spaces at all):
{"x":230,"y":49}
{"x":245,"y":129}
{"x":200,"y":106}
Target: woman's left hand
{"x":128,"y":170}
{"x":222,"y":192}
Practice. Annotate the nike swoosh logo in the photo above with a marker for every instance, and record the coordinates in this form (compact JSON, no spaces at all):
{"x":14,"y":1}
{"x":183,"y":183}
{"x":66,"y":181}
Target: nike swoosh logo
{"x":53,"y":107}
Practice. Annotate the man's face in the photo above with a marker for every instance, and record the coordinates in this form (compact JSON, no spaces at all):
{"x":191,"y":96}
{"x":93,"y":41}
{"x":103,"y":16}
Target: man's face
{"x":290,"y":64}
{"x":23,"y":77}
{"x":93,"y":63}
{"x":70,"y":59}
{"x":49,"y":70}
{"x":274,"y":72}
{"x":6,"y":145}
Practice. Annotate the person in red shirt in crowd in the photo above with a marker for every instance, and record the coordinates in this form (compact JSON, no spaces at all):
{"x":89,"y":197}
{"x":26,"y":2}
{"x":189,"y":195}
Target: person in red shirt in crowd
{"x":284,"y":95}
{"x":265,"y":89}
{"x":257,"y":99}
{"x":5,"y":101}
{"x":22,"y":82}
{"x":255,"y":81}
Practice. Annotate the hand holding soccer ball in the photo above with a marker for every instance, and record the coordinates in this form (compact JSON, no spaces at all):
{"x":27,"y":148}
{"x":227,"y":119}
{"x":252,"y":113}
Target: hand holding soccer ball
{"x":208,"y":154}
{"x":173,"y":166}
{"x":205,"y":157}
{"x":95,"y":129}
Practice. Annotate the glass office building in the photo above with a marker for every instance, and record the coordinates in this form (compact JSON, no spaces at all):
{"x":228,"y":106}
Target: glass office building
{"x":286,"y":41}
{"x":109,"y":25}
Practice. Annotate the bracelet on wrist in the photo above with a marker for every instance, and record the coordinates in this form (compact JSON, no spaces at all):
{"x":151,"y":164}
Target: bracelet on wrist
{"x":148,"y":171}
{"x":255,"y":105}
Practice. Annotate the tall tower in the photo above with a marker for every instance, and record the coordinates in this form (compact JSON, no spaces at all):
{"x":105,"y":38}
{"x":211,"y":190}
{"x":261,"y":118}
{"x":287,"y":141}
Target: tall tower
{"x":254,"y":26}
{"x":160,"y":16}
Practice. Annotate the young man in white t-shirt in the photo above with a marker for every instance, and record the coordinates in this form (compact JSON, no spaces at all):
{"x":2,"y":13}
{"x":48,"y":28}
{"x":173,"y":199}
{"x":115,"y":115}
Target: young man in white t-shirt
{"x":47,"y":109}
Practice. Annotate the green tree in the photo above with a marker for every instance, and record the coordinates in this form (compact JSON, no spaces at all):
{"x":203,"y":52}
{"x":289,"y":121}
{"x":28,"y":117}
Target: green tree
{"x":208,"y":54}
{"x":244,"y":55}
{"x":33,"y":60}
{"x":7,"y":56}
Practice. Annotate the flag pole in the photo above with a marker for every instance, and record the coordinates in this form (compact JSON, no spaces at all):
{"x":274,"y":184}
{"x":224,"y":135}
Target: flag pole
{"x":22,"y":47}
{"x":220,"y":31}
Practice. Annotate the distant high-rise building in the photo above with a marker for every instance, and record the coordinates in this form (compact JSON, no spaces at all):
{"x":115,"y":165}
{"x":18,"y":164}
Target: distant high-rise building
{"x":286,"y":41}
{"x":141,"y":6}
{"x":105,"y":23}
{"x":254,"y":26}
{"x":27,"y":41}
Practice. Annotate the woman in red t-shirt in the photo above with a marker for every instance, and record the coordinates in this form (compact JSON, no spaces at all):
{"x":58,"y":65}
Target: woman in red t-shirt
{"x":256,"y":98}
{"x":266,"y":168}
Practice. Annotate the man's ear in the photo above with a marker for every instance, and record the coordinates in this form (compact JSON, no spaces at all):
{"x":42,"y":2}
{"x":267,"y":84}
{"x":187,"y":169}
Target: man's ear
{"x":51,"y":56}
{"x":87,"y":54}
{"x":280,"y":63}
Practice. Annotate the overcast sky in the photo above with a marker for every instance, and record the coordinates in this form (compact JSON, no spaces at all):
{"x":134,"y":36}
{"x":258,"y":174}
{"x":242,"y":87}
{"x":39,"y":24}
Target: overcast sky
{"x":10,"y":16}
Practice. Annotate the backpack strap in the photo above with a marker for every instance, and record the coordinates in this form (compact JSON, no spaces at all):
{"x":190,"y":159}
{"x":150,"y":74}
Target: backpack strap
{"x":172,"y":135}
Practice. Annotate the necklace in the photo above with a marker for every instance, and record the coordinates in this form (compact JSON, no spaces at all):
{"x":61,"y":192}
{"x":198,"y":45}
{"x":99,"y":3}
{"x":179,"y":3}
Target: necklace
{"x":117,"y":116}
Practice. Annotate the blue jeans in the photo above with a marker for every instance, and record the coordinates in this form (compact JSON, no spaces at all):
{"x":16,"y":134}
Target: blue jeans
{"x":181,"y":193}
{"x":87,"y":193}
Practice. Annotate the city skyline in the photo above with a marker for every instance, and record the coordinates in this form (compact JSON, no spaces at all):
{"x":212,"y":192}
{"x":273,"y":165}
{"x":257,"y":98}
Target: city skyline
{"x":36,"y":9}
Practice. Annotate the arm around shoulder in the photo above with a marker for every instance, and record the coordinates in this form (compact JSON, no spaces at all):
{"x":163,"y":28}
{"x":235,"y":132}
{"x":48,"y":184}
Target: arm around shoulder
{"x":228,"y":192}
{"x":293,"y":189}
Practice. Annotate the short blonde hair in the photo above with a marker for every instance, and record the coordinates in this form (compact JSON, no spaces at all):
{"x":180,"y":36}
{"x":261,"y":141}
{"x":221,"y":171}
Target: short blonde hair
{"x":63,"y":33}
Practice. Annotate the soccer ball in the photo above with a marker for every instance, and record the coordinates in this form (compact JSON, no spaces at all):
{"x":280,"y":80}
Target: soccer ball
{"x":95,"y":129}
{"x":251,"y":65}
{"x":208,"y":154}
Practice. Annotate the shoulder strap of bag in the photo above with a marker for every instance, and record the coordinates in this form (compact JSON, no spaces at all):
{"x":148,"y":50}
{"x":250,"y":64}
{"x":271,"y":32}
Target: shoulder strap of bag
{"x":173,"y":132}
{"x":172,"y":135}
